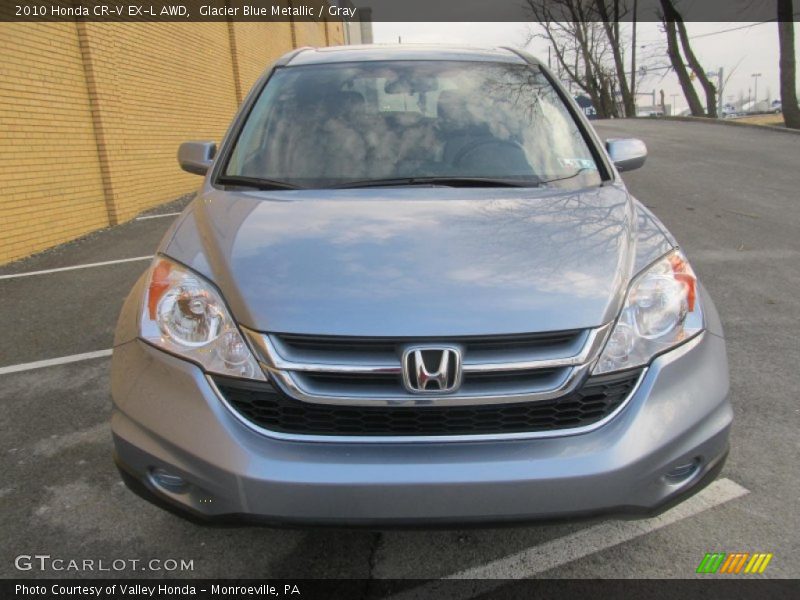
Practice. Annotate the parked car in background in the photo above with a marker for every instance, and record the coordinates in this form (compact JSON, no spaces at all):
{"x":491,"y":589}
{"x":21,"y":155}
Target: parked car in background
{"x":777,"y":106}
{"x":413,"y":288}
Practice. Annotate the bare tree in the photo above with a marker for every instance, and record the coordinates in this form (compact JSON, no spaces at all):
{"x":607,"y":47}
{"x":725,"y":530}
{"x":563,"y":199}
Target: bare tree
{"x":611,"y":28}
{"x":673,"y":24}
{"x":791,"y":112}
{"x":581,"y":59}
{"x":674,"y":53}
{"x":708,"y":87}
{"x":588,"y":46}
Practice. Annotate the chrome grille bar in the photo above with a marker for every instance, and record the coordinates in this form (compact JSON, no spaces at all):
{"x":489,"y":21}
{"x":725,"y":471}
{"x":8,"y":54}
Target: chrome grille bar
{"x":541,"y":373}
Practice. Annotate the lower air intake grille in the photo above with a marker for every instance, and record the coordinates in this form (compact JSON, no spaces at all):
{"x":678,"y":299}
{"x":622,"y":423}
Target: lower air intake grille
{"x":273,"y":410}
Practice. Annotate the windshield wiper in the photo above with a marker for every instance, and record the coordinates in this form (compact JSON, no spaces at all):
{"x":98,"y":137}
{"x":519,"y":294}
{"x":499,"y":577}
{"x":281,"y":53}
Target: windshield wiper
{"x":446,"y":181}
{"x":273,"y":184}
{"x":256,"y":182}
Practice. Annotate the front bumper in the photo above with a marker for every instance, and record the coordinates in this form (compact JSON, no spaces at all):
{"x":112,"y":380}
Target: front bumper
{"x":166,"y":415}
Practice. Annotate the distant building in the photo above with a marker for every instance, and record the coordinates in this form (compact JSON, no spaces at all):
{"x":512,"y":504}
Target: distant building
{"x":358,"y":31}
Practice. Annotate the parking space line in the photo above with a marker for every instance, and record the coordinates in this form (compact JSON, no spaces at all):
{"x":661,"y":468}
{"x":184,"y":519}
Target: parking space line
{"x":73,"y":267}
{"x":51,"y":362}
{"x":145,"y":217}
{"x":566,"y":549}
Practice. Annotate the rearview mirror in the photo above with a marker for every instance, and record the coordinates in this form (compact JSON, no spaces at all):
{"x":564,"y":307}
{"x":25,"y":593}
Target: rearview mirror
{"x":626,"y":153}
{"x":196,"y":157}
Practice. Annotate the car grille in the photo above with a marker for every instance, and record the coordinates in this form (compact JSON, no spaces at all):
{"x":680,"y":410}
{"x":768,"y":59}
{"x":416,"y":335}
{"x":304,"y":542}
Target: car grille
{"x":369,"y":371}
{"x":269,"y":408}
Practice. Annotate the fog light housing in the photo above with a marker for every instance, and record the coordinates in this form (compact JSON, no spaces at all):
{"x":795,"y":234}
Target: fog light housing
{"x":683,"y":471}
{"x":168,"y":481}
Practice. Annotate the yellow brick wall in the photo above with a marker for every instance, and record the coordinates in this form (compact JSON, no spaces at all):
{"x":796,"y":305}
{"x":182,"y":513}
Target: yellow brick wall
{"x":258,"y":45}
{"x":310,"y":33}
{"x":335,"y":33}
{"x":91,"y":115}
{"x":50,"y":183}
{"x":157,"y":84}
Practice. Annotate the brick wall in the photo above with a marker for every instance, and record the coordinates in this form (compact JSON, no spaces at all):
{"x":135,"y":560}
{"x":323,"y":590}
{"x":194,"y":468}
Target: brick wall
{"x":91,"y":115}
{"x":257,"y":44}
{"x":52,"y":188}
{"x":311,"y":33}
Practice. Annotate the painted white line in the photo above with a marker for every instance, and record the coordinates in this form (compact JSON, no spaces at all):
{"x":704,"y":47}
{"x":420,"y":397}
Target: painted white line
{"x":72,"y":268}
{"x":145,"y":217}
{"x":563,"y":550}
{"x":51,"y":362}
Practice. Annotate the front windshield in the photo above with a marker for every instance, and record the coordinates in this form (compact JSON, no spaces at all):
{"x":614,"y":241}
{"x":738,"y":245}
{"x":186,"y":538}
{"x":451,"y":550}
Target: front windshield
{"x":337,"y":124}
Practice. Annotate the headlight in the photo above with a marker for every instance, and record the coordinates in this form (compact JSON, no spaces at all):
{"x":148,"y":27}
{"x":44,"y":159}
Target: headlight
{"x":184,"y":314}
{"x":661,"y":311}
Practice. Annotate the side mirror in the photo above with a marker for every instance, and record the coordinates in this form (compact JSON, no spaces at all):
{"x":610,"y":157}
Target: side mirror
{"x":196,"y":157}
{"x":627,"y":153}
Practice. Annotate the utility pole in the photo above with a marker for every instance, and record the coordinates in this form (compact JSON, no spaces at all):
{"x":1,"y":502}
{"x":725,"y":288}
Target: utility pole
{"x":633,"y":54}
{"x":755,"y":99}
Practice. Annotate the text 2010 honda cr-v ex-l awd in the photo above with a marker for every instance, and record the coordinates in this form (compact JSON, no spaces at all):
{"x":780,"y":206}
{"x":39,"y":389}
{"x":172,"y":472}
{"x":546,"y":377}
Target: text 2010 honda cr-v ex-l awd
{"x":414,"y":289}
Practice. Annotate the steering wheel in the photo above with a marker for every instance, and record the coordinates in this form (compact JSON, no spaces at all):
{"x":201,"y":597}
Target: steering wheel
{"x":505,"y":154}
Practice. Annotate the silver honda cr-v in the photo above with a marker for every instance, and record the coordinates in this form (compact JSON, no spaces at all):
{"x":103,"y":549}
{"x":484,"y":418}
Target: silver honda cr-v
{"x":414,"y":289}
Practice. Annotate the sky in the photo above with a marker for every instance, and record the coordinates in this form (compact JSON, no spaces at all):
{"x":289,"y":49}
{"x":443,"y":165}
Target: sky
{"x":750,"y":48}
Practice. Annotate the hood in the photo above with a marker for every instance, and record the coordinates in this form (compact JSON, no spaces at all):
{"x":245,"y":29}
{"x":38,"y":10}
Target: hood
{"x":414,"y":261}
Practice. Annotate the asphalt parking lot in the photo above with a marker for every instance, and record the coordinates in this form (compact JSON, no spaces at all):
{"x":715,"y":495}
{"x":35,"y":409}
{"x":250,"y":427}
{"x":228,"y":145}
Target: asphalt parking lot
{"x":730,"y":196}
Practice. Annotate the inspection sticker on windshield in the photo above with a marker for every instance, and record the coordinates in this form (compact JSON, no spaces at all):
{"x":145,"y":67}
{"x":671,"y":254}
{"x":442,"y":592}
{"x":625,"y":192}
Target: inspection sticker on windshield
{"x":578,"y":163}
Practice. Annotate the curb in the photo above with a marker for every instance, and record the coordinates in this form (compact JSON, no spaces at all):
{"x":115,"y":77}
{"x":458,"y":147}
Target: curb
{"x":727,"y":122}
